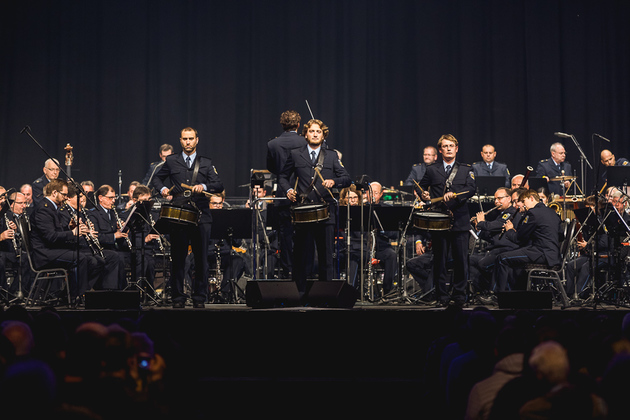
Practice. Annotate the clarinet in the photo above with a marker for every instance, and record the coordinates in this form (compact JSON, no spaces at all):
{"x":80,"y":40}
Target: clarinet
{"x":119,"y":224}
{"x":159,"y":239}
{"x":16,"y":248}
{"x":91,"y":239}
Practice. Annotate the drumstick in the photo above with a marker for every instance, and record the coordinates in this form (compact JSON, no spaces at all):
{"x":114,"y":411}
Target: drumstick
{"x":438,"y":199}
{"x":322,"y":178}
{"x":188,"y":187}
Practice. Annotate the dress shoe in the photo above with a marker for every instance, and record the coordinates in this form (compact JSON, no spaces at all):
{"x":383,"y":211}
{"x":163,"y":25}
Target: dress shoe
{"x":198,"y":305}
{"x":178,"y":305}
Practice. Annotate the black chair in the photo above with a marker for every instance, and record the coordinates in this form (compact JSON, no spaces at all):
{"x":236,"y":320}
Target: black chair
{"x":44,"y":278}
{"x":542,"y":276}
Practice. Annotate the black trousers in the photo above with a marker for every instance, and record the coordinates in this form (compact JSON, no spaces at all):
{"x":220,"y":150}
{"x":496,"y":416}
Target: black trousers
{"x":197,"y":237}
{"x":457,"y":243}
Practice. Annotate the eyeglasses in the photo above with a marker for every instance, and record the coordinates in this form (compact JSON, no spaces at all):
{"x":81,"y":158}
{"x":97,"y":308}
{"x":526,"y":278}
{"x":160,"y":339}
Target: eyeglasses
{"x":111,"y":197}
{"x":52,"y":169}
{"x":501,"y":198}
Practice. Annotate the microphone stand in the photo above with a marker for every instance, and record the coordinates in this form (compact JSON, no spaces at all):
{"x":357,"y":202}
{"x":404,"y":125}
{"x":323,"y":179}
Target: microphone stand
{"x":583,"y":159}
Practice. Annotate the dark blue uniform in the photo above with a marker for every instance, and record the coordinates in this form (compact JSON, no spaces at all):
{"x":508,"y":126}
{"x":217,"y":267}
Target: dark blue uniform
{"x":416,"y":174}
{"x":177,"y":172}
{"x":456,"y":239}
{"x":548,"y":168}
{"x":497,"y":169}
{"x":278,"y":151}
{"x":538,"y":235}
{"x":299,"y":167}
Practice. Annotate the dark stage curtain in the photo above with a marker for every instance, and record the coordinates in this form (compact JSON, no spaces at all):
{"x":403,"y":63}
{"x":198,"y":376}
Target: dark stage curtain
{"x":117,"y":78}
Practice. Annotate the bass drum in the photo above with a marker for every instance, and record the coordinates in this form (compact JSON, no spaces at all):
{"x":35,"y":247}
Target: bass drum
{"x":432,"y":220}
{"x":310,"y":213}
{"x":178,"y":215}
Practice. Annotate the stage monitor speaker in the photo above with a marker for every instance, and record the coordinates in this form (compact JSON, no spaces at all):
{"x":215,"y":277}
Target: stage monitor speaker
{"x":331,"y":294}
{"x":521,"y":299}
{"x":112,"y":299}
{"x":271,"y":294}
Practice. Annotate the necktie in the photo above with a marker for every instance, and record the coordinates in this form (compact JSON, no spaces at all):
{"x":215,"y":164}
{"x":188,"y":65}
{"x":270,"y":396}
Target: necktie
{"x":448,"y":169}
{"x":188,"y":161}
{"x":313,"y":157}
{"x":489,"y":166}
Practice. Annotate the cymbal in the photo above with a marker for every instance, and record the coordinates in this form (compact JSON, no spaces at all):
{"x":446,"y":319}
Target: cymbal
{"x":562,"y":178}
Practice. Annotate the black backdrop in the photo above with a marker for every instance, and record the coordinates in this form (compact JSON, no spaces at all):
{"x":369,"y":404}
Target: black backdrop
{"x":117,"y":78}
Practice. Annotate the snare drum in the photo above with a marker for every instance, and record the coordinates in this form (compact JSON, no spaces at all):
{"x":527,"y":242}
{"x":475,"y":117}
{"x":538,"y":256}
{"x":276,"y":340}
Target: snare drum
{"x":309,"y":213}
{"x":179,"y":215}
{"x":432,"y":220}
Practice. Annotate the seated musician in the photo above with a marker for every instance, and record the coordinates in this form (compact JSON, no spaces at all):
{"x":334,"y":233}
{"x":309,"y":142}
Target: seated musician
{"x":107,"y":223}
{"x":429,"y":157}
{"x":489,"y":228}
{"x":608,"y":159}
{"x":142,"y":235}
{"x":53,"y":243}
{"x":89,"y":243}
{"x":537,"y":235}
{"x":11,"y":246}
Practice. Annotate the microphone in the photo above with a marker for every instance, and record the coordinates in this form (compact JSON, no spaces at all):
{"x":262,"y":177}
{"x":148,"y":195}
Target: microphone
{"x":602,"y":137}
{"x":565,"y":135}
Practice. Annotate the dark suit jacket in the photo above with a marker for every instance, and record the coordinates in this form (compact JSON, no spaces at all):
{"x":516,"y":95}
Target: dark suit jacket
{"x":278,"y":151}
{"x":416,"y":174}
{"x":498,"y":169}
{"x":48,"y":234}
{"x":539,"y":230}
{"x":175,"y":170}
{"x":38,"y":188}
{"x":435,"y":179}
{"x":299,"y":164}
{"x":548,"y":168}
{"x":104,"y":226}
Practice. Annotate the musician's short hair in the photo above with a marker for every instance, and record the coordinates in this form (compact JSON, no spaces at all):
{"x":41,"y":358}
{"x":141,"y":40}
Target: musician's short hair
{"x":324,"y":127}
{"x":529,"y":194}
{"x":54,"y":185}
{"x":189,"y":129}
{"x":140,"y":190}
{"x":290,"y":120}
{"x":165,"y":147}
{"x":103,"y":189}
{"x":448,"y":137}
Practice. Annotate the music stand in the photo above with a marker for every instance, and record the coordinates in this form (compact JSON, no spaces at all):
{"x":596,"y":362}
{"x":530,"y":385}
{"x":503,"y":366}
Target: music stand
{"x":488,"y":185}
{"x":536,"y":183}
{"x":136,"y":221}
{"x":618,"y":176}
{"x":228,"y":224}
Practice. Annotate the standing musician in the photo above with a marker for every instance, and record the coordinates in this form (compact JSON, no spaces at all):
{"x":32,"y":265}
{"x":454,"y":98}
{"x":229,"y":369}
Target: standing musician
{"x":490,"y":167}
{"x":74,"y":209}
{"x":53,"y":243}
{"x":538,"y":236}
{"x":51,"y":171}
{"x":164,"y":151}
{"x":278,"y":151}
{"x":189,"y":168}
{"x":455,"y":182}
{"x":316,"y":170}
{"x":106,"y":223}
{"x":608,"y":159}
{"x":429,"y":156}
{"x":555,"y":167}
